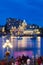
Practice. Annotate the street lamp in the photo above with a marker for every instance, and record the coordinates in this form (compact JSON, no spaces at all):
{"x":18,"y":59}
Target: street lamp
{"x":7,"y":45}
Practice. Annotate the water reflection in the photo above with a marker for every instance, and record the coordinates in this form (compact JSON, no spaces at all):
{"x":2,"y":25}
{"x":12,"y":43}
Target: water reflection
{"x":27,"y":45}
{"x":39,"y":46}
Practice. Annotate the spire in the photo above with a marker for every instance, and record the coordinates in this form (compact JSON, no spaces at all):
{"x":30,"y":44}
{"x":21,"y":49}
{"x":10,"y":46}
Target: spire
{"x":24,"y":21}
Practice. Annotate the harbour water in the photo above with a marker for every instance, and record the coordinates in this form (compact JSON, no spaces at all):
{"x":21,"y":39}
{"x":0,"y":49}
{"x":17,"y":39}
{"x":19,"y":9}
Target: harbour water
{"x":31,"y":46}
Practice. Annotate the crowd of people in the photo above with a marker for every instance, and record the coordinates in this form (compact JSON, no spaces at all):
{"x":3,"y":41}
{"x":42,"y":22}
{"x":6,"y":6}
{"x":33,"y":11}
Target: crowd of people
{"x":23,"y":60}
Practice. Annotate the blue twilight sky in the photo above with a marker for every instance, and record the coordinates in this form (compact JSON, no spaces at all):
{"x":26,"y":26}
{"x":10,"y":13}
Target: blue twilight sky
{"x":30,"y":10}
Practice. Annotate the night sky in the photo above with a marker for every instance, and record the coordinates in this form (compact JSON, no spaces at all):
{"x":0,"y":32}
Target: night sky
{"x":30,"y":10}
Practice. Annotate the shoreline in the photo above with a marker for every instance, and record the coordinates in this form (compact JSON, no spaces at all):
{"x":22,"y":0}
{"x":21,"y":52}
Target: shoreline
{"x":28,"y":35}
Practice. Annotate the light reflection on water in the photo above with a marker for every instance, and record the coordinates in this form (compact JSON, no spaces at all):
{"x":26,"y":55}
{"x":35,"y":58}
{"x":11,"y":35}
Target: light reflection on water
{"x":32,"y":44}
{"x":26,"y":45}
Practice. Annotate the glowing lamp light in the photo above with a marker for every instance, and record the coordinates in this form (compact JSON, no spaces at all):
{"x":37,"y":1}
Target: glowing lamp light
{"x":4,"y":45}
{"x":7,"y":44}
